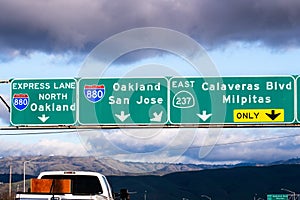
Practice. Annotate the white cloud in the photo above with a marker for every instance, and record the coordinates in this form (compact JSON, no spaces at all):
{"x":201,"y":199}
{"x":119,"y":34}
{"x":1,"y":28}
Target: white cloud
{"x":42,"y":147}
{"x":40,"y":65}
{"x":231,"y":145}
{"x":262,"y":145}
{"x":166,"y":145}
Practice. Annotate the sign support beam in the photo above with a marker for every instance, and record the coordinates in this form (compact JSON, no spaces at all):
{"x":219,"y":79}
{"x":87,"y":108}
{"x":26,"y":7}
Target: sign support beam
{"x":152,"y":126}
{"x":158,"y":102}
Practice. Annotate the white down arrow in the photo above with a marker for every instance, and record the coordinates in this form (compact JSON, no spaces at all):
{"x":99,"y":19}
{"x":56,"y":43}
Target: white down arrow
{"x":204,"y":116}
{"x":122,"y":117}
{"x":43,"y":118}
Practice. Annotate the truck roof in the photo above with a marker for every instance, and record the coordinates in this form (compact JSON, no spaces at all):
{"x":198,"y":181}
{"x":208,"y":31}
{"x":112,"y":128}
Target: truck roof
{"x":86,"y":173}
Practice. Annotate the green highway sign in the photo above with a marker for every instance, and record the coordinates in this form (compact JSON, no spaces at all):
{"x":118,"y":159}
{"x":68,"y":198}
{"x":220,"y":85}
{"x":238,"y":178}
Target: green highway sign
{"x":232,"y":100}
{"x":277,"y":197}
{"x":123,"y":101}
{"x":155,"y":101}
{"x":298,"y":99}
{"x":43,"y":102}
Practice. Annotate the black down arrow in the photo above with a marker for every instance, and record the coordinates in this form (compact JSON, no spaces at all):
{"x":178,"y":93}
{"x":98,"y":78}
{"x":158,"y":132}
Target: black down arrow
{"x":273,"y":116}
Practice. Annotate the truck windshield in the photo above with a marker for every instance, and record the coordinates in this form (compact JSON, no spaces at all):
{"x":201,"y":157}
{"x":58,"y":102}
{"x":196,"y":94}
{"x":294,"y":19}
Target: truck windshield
{"x":80,"y":184}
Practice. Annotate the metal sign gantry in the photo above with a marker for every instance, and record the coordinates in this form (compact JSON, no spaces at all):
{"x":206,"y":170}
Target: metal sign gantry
{"x":174,"y":102}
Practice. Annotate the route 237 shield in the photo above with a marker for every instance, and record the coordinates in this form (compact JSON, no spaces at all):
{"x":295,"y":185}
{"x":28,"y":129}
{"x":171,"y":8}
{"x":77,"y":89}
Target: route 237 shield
{"x":94,"y":93}
{"x":20,"y":101}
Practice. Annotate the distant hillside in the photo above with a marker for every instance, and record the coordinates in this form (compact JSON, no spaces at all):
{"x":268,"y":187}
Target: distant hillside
{"x":287,"y":162}
{"x":108,"y":166}
{"x":217,"y":181}
{"x":222,"y":184}
{"x":105,"y":165}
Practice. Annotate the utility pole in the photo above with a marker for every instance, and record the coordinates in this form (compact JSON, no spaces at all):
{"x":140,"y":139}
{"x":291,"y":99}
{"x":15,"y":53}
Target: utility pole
{"x":10,"y":181}
{"x":24,"y":175}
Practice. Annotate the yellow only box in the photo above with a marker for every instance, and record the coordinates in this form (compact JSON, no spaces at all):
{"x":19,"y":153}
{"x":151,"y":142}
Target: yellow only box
{"x":258,"y":115}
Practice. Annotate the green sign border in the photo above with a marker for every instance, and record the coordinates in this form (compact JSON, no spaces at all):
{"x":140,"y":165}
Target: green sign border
{"x":297,"y":99}
{"x":74,"y":97}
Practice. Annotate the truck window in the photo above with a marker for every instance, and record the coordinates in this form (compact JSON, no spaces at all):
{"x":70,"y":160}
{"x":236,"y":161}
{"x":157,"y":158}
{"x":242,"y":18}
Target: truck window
{"x":80,"y":184}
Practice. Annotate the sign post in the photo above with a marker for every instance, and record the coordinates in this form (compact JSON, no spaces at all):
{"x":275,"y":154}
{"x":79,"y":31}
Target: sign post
{"x":222,"y":100}
{"x":123,"y":101}
{"x":43,"y":102}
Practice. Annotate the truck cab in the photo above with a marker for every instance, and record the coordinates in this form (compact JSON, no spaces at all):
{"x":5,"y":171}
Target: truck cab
{"x":58,"y":185}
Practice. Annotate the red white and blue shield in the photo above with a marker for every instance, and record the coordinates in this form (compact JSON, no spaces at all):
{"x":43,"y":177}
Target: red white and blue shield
{"x":20,"y":101}
{"x":94,"y":93}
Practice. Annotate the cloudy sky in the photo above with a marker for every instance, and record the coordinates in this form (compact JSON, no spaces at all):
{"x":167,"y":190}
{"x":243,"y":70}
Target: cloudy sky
{"x":47,"y":39}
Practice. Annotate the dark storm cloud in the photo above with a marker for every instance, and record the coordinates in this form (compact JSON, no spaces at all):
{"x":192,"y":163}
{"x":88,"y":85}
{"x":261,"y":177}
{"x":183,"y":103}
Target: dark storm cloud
{"x":57,"y":26}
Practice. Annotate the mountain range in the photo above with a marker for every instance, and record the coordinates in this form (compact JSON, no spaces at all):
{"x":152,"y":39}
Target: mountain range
{"x":35,"y":164}
{"x":170,"y":181}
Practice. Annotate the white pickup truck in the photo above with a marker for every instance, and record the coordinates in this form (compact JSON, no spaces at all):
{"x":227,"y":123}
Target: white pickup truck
{"x":60,"y":185}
